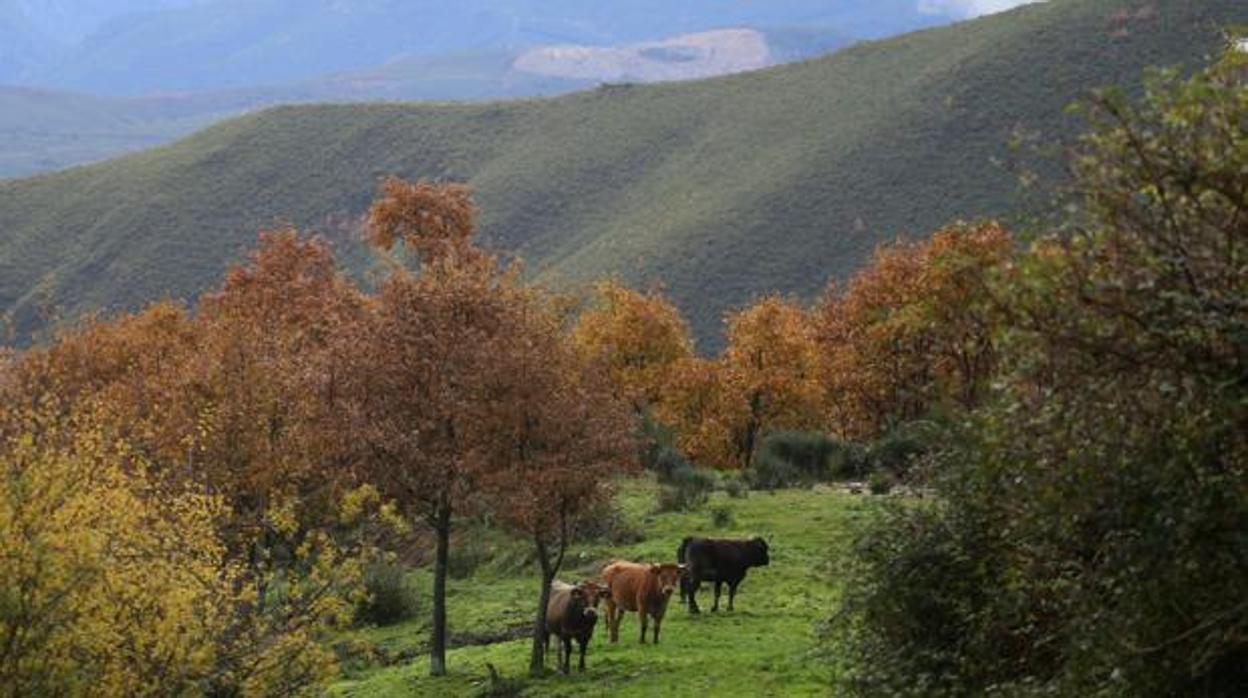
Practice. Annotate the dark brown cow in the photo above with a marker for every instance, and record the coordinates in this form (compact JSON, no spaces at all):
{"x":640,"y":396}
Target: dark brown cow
{"x":718,"y":560}
{"x":571,"y":613}
{"x":638,"y":587}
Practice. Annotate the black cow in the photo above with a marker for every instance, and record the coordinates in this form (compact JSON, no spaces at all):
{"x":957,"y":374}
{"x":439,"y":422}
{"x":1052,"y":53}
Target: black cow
{"x":720,"y":561}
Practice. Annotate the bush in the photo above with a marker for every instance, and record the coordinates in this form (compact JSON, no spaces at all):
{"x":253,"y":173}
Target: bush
{"x":669,"y":465}
{"x":880,"y":483}
{"x":735,"y":487}
{"x":686,"y":489}
{"x":469,"y":552}
{"x":392,"y":596}
{"x":803,"y":458}
{"x":606,"y":523}
{"x":897,"y":450}
{"x":721,"y":517}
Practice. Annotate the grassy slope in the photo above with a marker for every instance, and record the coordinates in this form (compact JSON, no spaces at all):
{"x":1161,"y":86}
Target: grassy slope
{"x":768,"y":646}
{"x":720,"y":188}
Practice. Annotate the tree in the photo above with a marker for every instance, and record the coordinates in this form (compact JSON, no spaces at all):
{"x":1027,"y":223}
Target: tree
{"x":912,"y":329}
{"x":422,"y":362}
{"x":558,"y":434}
{"x":1101,"y":493}
{"x":638,"y":337}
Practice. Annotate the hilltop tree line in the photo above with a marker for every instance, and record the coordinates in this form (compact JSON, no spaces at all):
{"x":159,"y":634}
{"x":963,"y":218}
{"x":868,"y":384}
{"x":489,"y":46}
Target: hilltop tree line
{"x":190,"y":499}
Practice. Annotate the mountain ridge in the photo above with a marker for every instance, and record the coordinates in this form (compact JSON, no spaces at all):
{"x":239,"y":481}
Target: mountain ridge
{"x":719,"y":189}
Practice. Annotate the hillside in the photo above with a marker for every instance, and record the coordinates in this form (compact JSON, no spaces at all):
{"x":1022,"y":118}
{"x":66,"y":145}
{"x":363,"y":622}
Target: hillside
{"x":719,"y":188}
{"x":43,"y":130}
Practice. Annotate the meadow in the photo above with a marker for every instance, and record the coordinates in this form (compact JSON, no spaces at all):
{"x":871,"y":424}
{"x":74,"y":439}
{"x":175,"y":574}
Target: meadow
{"x":772,"y":644}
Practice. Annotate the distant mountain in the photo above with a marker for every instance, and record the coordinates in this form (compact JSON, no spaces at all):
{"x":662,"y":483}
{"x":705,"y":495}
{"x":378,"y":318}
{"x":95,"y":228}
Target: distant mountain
{"x":719,"y":188}
{"x":216,"y":44}
{"x":43,"y":130}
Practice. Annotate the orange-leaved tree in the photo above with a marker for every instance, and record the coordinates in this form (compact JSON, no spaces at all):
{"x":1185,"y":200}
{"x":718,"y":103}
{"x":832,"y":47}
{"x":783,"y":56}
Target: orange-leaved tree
{"x":422,"y":364}
{"x":766,"y":379}
{"x":911,"y":329}
{"x":637,"y":336}
{"x":558,"y":433}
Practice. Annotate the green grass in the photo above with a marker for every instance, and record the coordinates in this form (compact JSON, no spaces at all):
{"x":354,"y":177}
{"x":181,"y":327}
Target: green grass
{"x":770,"y":645}
{"x":721,"y":189}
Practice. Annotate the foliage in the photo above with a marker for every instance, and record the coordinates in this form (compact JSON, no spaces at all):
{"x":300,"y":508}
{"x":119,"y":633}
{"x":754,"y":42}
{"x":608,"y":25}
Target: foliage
{"x":793,"y":459}
{"x":1101,"y":496}
{"x":118,"y":584}
{"x":391,"y":595}
{"x":638,"y":337}
{"x":108,"y":587}
{"x":765,"y":379}
{"x":912,"y":329}
{"x":880,"y":482}
{"x":685,"y":489}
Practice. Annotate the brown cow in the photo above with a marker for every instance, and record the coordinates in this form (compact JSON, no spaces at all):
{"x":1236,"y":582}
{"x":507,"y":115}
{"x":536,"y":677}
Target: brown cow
{"x":571,"y":614}
{"x":643,"y":588}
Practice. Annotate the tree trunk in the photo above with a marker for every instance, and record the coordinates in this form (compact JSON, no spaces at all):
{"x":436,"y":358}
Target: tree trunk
{"x":537,"y":659}
{"x":437,"y":652}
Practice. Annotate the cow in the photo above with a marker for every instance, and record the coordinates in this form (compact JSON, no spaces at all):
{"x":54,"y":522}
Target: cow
{"x":644,"y":588}
{"x":720,"y":561}
{"x":571,"y":613}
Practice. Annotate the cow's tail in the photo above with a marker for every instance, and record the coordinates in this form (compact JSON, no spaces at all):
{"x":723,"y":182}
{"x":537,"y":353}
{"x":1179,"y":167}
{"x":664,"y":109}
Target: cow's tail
{"x":686,"y":591}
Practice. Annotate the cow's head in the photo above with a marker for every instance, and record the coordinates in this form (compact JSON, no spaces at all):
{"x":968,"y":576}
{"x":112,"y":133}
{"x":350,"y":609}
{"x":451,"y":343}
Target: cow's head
{"x":594,"y":591}
{"x":760,"y":553}
{"x":668,"y":576}
{"x":582,"y":603}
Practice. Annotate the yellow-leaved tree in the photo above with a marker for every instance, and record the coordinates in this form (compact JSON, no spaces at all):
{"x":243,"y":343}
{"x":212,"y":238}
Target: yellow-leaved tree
{"x":107,"y":585}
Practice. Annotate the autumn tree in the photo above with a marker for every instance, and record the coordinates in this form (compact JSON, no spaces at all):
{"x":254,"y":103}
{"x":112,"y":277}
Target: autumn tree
{"x":233,"y":403}
{"x":637,"y":336}
{"x":911,"y":329}
{"x":693,"y":404}
{"x":423,"y":361}
{"x":557,"y":435}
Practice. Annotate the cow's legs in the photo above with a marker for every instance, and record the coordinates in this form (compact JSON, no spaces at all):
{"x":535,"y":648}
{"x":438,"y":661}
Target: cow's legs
{"x":658,"y":620}
{"x":582,"y":641}
{"x":613,"y":622}
{"x":644,"y":619}
{"x":566,"y":645}
{"x":694,"y":585}
{"x":719,"y":587}
{"x":732,"y":592}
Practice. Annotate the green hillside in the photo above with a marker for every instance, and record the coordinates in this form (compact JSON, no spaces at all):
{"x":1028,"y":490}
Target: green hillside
{"x":720,"y":188}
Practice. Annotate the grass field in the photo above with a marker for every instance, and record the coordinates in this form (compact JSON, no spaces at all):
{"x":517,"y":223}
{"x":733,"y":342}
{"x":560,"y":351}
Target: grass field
{"x":769,"y":646}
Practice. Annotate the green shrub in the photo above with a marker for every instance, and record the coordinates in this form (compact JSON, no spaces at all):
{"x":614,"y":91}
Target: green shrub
{"x":686,"y":489}
{"x":880,"y":482}
{"x":607,"y":524}
{"x":735,"y":487}
{"x":801,"y":459}
{"x":392,"y":596}
{"x":469,"y":553}
{"x":721,"y":517}
{"x":896,"y":451}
